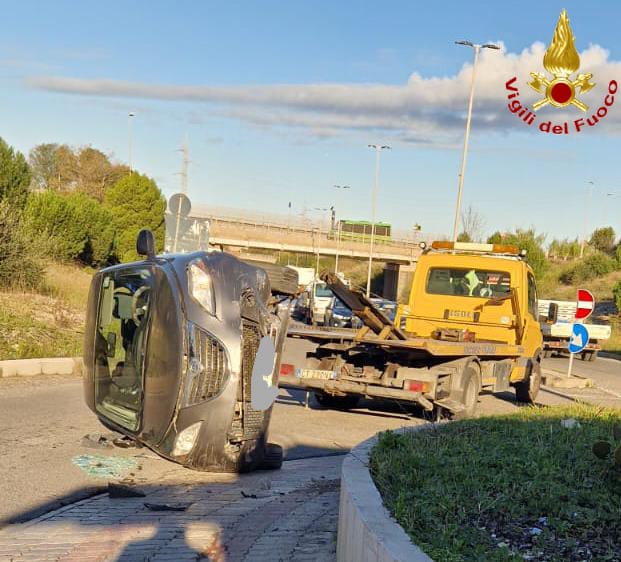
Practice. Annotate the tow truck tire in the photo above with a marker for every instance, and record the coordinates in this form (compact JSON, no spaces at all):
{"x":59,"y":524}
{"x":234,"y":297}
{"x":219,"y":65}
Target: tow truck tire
{"x":526,"y":391}
{"x":336,"y":402}
{"x":273,"y":457}
{"x":589,"y":355}
{"x":471,"y":385}
{"x":283,"y":279}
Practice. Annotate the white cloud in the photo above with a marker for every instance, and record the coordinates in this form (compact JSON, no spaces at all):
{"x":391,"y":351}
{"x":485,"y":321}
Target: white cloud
{"x":423,"y":110}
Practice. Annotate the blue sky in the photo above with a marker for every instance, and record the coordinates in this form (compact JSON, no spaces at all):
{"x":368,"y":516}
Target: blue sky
{"x":280,"y":99}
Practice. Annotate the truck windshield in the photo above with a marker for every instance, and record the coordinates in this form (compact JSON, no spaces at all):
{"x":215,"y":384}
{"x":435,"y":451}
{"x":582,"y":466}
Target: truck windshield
{"x":121,"y":341}
{"x":468,"y":283}
{"x":322,"y":290}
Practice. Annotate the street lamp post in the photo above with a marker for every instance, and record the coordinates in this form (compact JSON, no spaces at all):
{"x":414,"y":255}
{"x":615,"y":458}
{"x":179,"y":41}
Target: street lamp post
{"x":476,"y":48}
{"x":587,"y":210}
{"x":338,"y":228}
{"x":378,"y":150}
{"x":606,"y":207}
{"x":129,"y":139}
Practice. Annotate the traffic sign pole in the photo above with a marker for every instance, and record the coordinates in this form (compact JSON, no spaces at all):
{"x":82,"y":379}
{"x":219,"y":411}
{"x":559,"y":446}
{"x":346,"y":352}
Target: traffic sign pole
{"x":571,"y":364}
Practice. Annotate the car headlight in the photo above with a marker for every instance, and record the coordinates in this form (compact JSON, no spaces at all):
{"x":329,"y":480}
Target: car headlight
{"x":200,"y":286}
{"x":185,"y":440}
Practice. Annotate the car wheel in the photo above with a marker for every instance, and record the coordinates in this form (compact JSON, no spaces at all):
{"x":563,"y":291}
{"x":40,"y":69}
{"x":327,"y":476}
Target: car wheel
{"x":273,"y":457}
{"x":283,"y":279}
{"x":526,"y":391}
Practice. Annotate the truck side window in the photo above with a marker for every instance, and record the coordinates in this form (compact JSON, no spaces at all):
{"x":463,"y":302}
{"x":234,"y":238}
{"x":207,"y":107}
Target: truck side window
{"x":532,"y":296}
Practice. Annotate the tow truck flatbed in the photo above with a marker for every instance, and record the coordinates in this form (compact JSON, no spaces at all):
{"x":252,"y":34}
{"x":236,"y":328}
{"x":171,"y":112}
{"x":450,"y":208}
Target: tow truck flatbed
{"x":431,"y":346}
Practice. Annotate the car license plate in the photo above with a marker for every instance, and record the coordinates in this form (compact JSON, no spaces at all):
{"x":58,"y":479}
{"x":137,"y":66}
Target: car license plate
{"x":315,"y":374}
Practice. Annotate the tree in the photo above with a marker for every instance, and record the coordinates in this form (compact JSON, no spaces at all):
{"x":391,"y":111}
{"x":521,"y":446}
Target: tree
{"x":85,"y":170}
{"x":19,"y":267}
{"x":136,"y":203}
{"x":603,"y":239}
{"x":564,"y":249}
{"x":472,"y":225}
{"x":77,"y":226}
{"x":527,"y":240}
{"x":43,"y":160}
{"x":14,"y":176}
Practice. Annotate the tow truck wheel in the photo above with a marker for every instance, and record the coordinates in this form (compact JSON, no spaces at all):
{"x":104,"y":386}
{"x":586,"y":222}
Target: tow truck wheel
{"x":526,"y":391}
{"x":589,"y":355}
{"x":470,"y":382}
{"x":336,"y":402}
{"x":273,"y":457}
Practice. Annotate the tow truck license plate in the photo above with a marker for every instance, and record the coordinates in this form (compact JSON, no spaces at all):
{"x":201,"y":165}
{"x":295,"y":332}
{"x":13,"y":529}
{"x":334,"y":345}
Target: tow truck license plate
{"x":315,"y":374}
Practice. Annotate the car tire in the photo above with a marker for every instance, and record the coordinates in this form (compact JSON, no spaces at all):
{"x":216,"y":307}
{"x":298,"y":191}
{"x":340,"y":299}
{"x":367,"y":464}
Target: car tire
{"x":273,"y":457}
{"x":336,"y":402}
{"x":471,"y":384}
{"x":283,"y":279}
{"x":527,"y":391}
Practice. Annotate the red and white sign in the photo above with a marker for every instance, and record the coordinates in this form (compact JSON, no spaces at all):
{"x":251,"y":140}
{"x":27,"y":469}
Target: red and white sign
{"x":586,"y":304}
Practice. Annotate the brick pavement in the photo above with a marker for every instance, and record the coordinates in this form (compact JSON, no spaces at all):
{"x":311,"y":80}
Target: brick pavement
{"x":285,"y":515}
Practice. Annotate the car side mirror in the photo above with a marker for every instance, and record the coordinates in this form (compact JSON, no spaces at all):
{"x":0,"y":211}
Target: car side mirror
{"x":110,"y":344}
{"x":145,"y":244}
{"x":553,"y":313}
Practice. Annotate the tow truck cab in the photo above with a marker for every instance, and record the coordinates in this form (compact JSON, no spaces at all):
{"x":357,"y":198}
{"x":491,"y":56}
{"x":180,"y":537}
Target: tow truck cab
{"x":474,"y":292}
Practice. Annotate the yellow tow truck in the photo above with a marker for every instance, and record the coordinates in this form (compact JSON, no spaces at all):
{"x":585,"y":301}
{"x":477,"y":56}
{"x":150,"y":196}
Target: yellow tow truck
{"x":471,"y":323}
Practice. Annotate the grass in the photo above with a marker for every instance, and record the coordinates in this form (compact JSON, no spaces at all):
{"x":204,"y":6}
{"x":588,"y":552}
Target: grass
{"x":511,"y":487}
{"x":49,"y":323}
{"x":613,"y":345}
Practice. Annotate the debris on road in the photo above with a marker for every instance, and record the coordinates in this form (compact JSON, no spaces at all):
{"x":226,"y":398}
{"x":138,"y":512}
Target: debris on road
{"x":182,"y":506}
{"x":96,"y":441}
{"x":100,"y":466}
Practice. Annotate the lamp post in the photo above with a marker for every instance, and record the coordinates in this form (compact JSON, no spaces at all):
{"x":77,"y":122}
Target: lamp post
{"x":587,"y":208}
{"x":130,"y":117}
{"x":341,"y":189}
{"x":378,"y":150}
{"x":476,"y":48}
{"x":606,"y":206}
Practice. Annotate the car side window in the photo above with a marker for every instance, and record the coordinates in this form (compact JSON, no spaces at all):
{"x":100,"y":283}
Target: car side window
{"x":532,"y":296}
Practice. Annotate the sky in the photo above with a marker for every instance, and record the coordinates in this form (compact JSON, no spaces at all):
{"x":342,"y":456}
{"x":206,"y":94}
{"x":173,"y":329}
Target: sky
{"x":278,"y":102}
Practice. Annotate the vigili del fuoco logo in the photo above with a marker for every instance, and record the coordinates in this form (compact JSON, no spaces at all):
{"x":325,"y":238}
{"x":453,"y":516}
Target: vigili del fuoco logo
{"x":561,"y":60}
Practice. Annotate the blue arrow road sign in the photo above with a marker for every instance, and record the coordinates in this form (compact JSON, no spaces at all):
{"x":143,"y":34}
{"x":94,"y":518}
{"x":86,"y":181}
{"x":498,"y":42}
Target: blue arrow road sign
{"x":579,"y":338}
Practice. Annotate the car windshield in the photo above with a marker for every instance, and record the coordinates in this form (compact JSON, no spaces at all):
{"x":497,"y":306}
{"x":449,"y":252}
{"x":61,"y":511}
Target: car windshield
{"x":340,"y":308}
{"x":468,"y":283}
{"x":120,"y":347}
{"x":322,"y":290}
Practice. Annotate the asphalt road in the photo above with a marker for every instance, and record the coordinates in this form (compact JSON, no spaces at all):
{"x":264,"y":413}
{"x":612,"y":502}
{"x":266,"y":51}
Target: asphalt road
{"x":44,"y":419}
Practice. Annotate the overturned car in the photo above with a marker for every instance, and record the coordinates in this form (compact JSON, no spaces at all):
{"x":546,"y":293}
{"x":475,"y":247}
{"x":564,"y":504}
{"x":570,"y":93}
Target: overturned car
{"x":170,"y":348}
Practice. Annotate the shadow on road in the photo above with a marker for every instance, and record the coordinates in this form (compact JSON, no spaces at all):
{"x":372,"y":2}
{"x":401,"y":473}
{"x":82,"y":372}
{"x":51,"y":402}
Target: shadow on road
{"x":190,"y":517}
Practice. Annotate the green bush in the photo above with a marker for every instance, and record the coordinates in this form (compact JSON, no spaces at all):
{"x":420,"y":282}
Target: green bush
{"x":14,"y":176}
{"x":77,"y":226}
{"x":603,"y":239}
{"x":19,"y":266}
{"x":136,"y":203}
{"x":618,"y":253}
{"x":595,"y":265}
{"x":616,"y":293}
{"x":527,"y":240}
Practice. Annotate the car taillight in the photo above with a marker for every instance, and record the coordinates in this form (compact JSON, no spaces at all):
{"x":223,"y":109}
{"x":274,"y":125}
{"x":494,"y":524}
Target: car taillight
{"x":287,"y":369}
{"x":417,"y":386}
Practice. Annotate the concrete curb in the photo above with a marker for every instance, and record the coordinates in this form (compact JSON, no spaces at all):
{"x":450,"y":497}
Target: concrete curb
{"x":45,"y":366}
{"x":366,"y":531}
